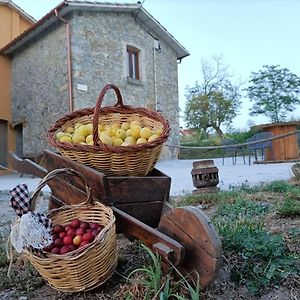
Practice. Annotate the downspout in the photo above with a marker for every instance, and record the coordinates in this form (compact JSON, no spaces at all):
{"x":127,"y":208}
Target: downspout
{"x":71,"y":102}
{"x":155,"y":78}
{"x":156,"y":47}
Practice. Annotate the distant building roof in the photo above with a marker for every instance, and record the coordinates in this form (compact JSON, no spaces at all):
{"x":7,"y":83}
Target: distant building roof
{"x":14,"y":6}
{"x":142,"y":17}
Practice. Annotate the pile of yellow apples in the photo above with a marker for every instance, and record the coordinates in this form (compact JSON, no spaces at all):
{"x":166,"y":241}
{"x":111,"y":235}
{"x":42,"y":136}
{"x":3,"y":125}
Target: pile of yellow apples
{"x":114,"y":134}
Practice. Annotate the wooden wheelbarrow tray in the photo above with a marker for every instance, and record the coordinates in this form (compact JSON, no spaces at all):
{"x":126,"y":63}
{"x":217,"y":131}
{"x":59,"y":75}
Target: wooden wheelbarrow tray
{"x":183,"y":236}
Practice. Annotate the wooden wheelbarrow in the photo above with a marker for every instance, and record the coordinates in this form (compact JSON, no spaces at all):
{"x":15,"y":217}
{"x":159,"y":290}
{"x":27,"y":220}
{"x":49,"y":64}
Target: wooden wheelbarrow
{"x":183,"y":236}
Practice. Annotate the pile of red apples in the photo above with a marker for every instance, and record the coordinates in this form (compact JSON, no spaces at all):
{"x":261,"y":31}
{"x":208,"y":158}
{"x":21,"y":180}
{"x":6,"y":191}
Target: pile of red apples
{"x":72,"y":236}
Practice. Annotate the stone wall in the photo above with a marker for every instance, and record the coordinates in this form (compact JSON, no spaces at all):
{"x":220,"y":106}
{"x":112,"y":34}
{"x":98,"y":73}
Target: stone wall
{"x":39,"y":87}
{"x":98,"y":57}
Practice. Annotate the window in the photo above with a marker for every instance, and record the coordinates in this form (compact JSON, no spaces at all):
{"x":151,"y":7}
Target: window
{"x":133,"y":56}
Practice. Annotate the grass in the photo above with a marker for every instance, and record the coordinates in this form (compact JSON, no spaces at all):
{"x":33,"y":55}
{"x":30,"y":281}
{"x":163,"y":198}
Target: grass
{"x":156,"y":285}
{"x":262,"y":258}
{"x":258,"y":257}
{"x":209,"y":198}
{"x":290,"y":208}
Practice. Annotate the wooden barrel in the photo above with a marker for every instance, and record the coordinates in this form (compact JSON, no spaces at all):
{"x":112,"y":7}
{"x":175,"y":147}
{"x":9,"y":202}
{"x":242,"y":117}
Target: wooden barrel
{"x":205,"y":174}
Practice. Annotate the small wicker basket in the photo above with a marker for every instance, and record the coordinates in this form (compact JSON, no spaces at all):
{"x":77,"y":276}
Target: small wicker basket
{"x":132,"y":160}
{"x":89,"y":266}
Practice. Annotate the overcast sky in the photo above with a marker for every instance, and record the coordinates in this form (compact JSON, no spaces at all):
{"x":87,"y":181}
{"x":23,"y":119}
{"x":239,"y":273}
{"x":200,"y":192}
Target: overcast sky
{"x":248,"y":33}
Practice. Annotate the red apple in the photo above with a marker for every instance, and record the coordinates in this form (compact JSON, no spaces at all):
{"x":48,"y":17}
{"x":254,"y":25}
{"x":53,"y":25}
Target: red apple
{"x":55,"y":250}
{"x":83,"y":243}
{"x":57,"y":228}
{"x":87,"y":237}
{"x":68,"y":227}
{"x":94,"y":225}
{"x":68,"y":240}
{"x":95,"y":232}
{"x":75,"y":223}
{"x":62,"y":234}
{"x":71,"y":232}
{"x":72,"y":247}
{"x":55,"y":236}
{"x":80,"y":231}
{"x":84,"y":225}
{"x":77,"y":240}
{"x":58,"y":242}
{"x":64,"y":250}
{"x":89,"y":230}
{"x":49,"y":248}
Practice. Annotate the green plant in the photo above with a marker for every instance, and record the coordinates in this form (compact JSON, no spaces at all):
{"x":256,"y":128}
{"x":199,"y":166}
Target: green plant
{"x":289,"y":208}
{"x":262,"y":258}
{"x":244,"y":187}
{"x":274,"y":91}
{"x":3,"y":257}
{"x":206,"y":198}
{"x":153,"y":278}
{"x":162,"y":287}
{"x":240,"y":136}
{"x":277,"y":186}
{"x":241,"y":209}
{"x":215,"y":101}
{"x":193,"y":292}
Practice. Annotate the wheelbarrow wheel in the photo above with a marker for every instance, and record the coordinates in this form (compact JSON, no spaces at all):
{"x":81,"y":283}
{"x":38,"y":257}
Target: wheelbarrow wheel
{"x":194,"y":230}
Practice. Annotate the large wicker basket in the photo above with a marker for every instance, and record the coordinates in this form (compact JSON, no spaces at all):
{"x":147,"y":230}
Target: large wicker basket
{"x":89,"y":266}
{"x":133,"y":160}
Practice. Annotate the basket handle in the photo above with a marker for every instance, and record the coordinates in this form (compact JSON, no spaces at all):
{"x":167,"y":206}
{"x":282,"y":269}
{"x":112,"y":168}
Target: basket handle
{"x":53,"y":174}
{"x":97,"y":109}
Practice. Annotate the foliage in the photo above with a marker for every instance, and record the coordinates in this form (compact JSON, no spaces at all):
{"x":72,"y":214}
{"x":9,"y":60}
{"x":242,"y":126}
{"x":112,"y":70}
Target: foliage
{"x":162,"y":287}
{"x":23,"y":277}
{"x":244,"y":187}
{"x":213,"y":103}
{"x":3,"y":257}
{"x":240,"y":136}
{"x":290,"y":208}
{"x":153,"y":274}
{"x":241,"y":208}
{"x":277,"y":186}
{"x":208,"y":198}
{"x":274,"y":91}
{"x":194,"y":153}
{"x":262,"y":258}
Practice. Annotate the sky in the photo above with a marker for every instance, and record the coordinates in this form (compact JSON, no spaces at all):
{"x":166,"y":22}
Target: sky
{"x":247,"y":33}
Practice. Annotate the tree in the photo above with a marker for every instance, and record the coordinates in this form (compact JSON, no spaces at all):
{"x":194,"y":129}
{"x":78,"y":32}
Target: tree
{"x":213,"y":103}
{"x":274,"y":91}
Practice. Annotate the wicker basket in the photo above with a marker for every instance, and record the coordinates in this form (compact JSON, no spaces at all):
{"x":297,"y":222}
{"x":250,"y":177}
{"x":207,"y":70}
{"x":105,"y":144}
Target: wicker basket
{"x":133,"y":160}
{"x":89,"y":266}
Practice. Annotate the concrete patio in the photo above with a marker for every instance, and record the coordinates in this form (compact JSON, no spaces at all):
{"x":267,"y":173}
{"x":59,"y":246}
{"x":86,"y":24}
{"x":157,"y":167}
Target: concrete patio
{"x":229,"y":174}
{"x":180,"y":173}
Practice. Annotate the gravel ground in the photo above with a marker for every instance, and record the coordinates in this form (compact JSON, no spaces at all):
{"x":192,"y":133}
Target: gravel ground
{"x":7,"y":214}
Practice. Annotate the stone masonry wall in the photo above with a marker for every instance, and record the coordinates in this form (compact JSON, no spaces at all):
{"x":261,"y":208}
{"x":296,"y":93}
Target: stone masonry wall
{"x":99,"y":57}
{"x":39,"y":73}
{"x":39,"y":87}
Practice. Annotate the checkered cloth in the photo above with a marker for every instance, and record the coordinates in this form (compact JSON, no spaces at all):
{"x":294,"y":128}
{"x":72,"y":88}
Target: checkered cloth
{"x":20,"y":202}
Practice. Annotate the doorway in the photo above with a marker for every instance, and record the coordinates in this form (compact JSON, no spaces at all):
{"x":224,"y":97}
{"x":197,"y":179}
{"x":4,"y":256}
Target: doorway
{"x":3,"y":143}
{"x":19,"y":140}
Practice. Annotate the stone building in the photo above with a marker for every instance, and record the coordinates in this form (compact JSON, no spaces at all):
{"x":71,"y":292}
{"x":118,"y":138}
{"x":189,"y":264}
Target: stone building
{"x":62,"y":62}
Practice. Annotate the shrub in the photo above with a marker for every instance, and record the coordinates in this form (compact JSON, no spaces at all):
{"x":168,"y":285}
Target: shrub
{"x":290,"y":208}
{"x":262,"y":258}
{"x":277,"y":186}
